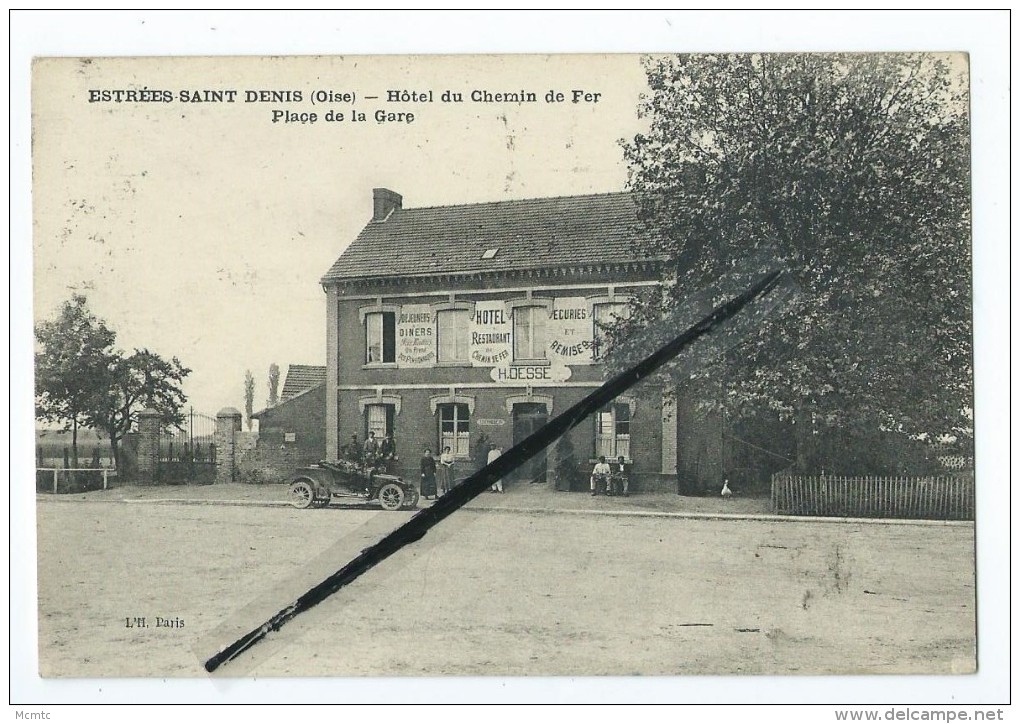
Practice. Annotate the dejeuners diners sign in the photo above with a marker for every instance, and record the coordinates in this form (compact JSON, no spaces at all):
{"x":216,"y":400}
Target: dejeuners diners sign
{"x":416,"y":336}
{"x":569,"y":335}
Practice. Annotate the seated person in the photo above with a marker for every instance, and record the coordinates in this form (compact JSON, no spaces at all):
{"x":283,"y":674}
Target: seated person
{"x":352,"y":450}
{"x":620,"y":480}
{"x":600,"y":476}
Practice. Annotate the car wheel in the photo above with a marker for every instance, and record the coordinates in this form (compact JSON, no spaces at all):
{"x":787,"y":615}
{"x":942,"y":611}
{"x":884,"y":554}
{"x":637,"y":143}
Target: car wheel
{"x":412,"y":498}
{"x":301,"y":494}
{"x":391,"y":496}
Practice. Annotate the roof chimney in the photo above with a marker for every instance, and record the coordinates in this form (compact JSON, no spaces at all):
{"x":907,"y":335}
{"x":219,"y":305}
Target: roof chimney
{"x":385,"y":202}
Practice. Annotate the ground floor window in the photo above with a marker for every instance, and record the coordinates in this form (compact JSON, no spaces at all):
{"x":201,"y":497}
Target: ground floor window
{"x":454,"y":429}
{"x":379,"y":419}
{"x":612,"y":431}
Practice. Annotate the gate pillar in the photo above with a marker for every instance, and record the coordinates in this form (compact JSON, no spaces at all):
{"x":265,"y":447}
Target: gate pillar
{"x":148,"y":445}
{"x":228,"y":424}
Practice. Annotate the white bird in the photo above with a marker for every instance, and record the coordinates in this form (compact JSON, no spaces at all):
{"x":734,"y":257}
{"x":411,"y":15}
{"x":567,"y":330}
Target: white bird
{"x":726,"y":492}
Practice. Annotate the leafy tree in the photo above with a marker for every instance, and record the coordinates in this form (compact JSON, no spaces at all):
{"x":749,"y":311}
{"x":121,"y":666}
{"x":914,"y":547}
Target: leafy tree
{"x":72,"y":355}
{"x":81,"y":379}
{"x":249,"y":396}
{"x":853,"y":171}
{"x":274,"y":384}
{"x":135,"y":382}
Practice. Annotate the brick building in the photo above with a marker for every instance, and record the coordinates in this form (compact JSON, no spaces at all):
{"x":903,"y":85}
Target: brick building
{"x":447,"y":323}
{"x":292,"y":432}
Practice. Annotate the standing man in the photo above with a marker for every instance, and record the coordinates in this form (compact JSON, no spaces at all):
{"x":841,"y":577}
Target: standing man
{"x":388,"y":451}
{"x":495,"y":452}
{"x":371,"y":450}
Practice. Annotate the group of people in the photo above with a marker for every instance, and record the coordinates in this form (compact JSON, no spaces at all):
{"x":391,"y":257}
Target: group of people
{"x":374,"y":455}
{"x":436,"y":475}
{"x":605,"y":480}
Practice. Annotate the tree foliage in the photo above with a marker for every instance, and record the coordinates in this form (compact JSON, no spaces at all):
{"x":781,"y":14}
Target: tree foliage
{"x":853,"y":171}
{"x":135,"y":382}
{"x":274,"y":384}
{"x":72,"y":355}
{"x":249,"y":396}
{"x":82,"y":379}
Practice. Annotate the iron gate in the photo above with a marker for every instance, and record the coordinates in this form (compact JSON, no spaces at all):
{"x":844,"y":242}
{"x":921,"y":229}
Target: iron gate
{"x":187,"y":454}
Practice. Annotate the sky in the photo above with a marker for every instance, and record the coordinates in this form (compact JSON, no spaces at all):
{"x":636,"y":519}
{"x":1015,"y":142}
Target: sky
{"x":200,"y":230}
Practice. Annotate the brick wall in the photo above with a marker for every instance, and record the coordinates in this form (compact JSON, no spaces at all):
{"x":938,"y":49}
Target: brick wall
{"x":228,"y":425}
{"x":148,"y":445}
{"x":697,"y":444}
{"x":417,"y":427}
{"x":291,"y":435}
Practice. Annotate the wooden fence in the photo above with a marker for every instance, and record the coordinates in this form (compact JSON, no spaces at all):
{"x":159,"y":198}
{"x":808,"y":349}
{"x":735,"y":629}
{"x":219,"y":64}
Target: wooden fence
{"x":944,"y":497}
{"x":59,"y":456}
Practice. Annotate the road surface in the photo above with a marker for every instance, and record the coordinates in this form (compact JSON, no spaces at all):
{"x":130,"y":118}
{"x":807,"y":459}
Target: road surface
{"x":499,"y":593}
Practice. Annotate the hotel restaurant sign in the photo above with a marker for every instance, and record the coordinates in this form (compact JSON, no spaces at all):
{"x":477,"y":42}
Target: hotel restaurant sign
{"x":569,"y":337}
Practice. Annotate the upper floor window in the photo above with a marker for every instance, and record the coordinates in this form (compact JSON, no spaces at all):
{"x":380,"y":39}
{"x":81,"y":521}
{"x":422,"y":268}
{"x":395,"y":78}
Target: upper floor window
{"x":529,"y":332}
{"x":605,"y":314}
{"x":380,"y":337}
{"x":453,"y":335}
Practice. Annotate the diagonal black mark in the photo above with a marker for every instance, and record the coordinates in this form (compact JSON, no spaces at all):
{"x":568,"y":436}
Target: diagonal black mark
{"x":416,"y":528}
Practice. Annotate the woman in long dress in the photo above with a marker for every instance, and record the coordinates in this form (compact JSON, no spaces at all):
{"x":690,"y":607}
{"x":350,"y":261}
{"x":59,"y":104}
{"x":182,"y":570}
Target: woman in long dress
{"x":428,"y":475}
{"x":445,"y":471}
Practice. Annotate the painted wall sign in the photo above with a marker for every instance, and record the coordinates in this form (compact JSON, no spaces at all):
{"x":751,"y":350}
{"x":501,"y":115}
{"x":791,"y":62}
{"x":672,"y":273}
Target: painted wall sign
{"x":571,"y":331}
{"x":490,"y":329}
{"x":290,"y":437}
{"x":569,"y":337}
{"x":490,"y":422}
{"x":530,"y":374}
{"x":416,"y":336}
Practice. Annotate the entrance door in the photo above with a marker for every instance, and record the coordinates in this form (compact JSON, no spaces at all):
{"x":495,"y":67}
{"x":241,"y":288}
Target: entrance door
{"x":528,"y":418}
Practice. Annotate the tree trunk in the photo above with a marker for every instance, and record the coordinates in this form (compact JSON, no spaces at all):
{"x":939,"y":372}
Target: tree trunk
{"x":803,"y":432}
{"x":116,"y":453}
{"x":74,"y":441}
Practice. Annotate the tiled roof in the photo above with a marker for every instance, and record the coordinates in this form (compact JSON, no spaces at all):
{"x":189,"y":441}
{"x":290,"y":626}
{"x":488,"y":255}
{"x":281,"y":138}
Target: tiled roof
{"x":301,"y":378}
{"x":528,"y":234}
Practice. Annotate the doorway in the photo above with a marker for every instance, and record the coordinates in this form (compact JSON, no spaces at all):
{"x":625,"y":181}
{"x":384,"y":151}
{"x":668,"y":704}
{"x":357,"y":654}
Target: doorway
{"x":528,"y":418}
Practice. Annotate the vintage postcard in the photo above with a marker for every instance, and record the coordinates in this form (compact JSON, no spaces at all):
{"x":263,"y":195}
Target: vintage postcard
{"x":283,"y":305}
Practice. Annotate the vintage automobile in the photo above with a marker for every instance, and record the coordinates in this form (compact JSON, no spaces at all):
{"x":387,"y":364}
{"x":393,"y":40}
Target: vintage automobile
{"x":316,"y":486}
